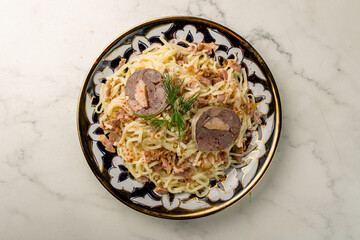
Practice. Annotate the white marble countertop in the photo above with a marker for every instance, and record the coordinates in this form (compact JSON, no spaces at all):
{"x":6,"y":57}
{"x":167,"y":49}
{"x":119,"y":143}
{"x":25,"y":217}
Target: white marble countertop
{"x":312,"y":189}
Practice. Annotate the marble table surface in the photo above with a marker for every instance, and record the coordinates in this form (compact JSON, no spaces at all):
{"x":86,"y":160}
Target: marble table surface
{"x":311,"y":190}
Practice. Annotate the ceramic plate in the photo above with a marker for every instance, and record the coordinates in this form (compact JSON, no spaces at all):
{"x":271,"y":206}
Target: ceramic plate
{"x":108,"y":167}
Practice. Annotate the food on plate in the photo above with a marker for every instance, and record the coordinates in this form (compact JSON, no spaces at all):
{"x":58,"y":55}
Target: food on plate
{"x":177,"y":117}
{"x":215,"y":128}
{"x":146,"y":92}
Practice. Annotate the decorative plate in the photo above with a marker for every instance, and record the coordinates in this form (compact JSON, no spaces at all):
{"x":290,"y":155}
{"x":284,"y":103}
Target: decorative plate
{"x":108,"y":167}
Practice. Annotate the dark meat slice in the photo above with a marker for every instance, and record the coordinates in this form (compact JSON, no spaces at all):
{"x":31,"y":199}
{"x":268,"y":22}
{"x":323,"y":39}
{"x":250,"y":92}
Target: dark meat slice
{"x":215,"y":128}
{"x":146,"y":93}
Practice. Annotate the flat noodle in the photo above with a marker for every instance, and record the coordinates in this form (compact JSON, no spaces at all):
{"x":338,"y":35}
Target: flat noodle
{"x":138,"y":139}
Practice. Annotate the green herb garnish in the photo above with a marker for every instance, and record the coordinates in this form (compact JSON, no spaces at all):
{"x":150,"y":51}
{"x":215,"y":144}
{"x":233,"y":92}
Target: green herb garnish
{"x":186,"y":104}
{"x":178,"y":107}
{"x":171,"y":89}
{"x":156,"y":122}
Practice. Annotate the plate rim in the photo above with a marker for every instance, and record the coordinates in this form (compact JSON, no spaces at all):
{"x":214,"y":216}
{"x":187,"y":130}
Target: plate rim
{"x":271,"y":152}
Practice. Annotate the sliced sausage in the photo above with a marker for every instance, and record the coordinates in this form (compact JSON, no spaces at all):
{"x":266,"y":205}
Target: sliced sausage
{"x":215,"y":128}
{"x":145,"y":91}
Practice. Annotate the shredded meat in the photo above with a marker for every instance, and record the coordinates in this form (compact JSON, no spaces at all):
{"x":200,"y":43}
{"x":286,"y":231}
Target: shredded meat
{"x":102,"y":125}
{"x":223,"y":74}
{"x":224,"y":63}
{"x":186,"y":173}
{"x":191,"y":160}
{"x":191,"y":48}
{"x":157,"y":167}
{"x":248,"y":108}
{"x":188,"y":138}
{"x":206,"y":164}
{"x":236,"y":106}
{"x":229,"y":94}
{"x":222,"y":178}
{"x":216,"y":80}
{"x":238,"y":159}
{"x":257,"y":118}
{"x":189,"y":180}
{"x":220,"y":97}
{"x":200,"y":102}
{"x":183,"y":170}
{"x":108,"y":91}
{"x":143,"y":179}
{"x":166,"y":163}
{"x":121,"y":63}
{"x":204,"y":80}
{"x":236,"y":149}
{"x":161,"y":190}
{"x":114,"y":136}
{"x":121,"y":116}
{"x":192,"y":85}
{"x":180,"y":58}
{"x":164,"y":157}
{"x":151,"y":156}
{"x":207,"y":77}
{"x":226,"y":98}
{"x":223,"y":157}
{"x":208,"y":47}
{"x":115,"y":123}
{"x":147,"y":156}
{"x":180,"y":169}
{"x":190,"y":69}
{"x":107,"y":144}
{"x":234,"y":65}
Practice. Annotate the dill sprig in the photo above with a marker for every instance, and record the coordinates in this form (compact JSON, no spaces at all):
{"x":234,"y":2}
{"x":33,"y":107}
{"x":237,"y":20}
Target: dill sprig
{"x":172,"y":88}
{"x":154,"y":121}
{"x":177,"y":121}
{"x":186,"y":104}
{"x":178,"y":107}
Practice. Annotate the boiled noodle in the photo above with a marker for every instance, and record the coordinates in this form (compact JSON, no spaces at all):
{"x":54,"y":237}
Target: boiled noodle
{"x":137,"y":139}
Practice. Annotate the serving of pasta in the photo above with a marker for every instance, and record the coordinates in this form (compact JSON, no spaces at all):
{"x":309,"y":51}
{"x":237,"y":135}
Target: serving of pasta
{"x":177,"y":117}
